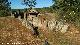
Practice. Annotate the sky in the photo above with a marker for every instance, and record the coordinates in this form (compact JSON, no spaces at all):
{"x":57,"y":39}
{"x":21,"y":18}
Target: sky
{"x":17,"y":4}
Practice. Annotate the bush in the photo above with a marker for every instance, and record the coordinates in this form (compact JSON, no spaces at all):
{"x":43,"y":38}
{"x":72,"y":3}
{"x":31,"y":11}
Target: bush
{"x":3,"y":13}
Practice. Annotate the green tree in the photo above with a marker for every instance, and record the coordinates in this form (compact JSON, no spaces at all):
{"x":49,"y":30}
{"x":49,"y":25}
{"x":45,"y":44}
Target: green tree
{"x":69,"y":10}
{"x":29,"y":3}
{"x":4,"y":7}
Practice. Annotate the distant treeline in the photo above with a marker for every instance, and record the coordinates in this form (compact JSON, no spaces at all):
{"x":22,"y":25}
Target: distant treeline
{"x":41,"y":10}
{"x":45,"y":10}
{"x":17,"y":10}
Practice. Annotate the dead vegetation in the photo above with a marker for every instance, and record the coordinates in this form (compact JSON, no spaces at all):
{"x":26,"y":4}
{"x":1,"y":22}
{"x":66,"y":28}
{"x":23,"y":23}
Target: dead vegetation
{"x":13,"y":33}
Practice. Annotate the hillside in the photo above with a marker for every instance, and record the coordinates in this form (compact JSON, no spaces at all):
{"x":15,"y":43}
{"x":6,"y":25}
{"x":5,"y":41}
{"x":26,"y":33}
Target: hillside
{"x":13,"y":33}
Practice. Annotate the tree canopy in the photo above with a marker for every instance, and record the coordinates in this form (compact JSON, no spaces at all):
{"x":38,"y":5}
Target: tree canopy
{"x":69,"y":9}
{"x":4,"y":7}
{"x":29,"y":3}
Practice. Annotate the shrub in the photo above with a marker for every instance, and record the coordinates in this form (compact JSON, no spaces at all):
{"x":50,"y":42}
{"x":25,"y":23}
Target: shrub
{"x":3,"y":13}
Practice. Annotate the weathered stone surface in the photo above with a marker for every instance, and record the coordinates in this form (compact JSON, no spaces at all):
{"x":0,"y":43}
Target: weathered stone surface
{"x":12,"y":15}
{"x":25,"y":15}
{"x":59,"y":25}
{"x":64,"y":28}
{"x":33,"y":10}
{"x":45,"y":23}
{"x":19,"y":17}
{"x":52,"y":24}
{"x":35,"y":21}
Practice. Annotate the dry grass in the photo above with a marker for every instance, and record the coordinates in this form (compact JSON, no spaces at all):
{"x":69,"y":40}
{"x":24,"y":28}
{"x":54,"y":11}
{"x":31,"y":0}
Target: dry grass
{"x":12,"y":31}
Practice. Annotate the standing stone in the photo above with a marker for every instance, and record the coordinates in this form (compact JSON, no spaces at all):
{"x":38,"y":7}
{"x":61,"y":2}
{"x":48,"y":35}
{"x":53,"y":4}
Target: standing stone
{"x":51,"y":24}
{"x":25,"y":16}
{"x":19,"y":17}
{"x":64,"y":28}
{"x":12,"y":15}
{"x":35,"y":21}
{"x":59,"y":25}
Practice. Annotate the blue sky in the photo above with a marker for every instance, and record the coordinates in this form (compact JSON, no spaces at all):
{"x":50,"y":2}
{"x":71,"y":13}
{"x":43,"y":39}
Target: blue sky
{"x":16,"y":4}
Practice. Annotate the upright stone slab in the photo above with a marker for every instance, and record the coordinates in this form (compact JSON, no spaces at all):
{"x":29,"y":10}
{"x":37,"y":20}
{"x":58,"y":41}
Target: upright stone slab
{"x":19,"y":17}
{"x":25,"y":15}
{"x":33,"y":17}
{"x":12,"y":15}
